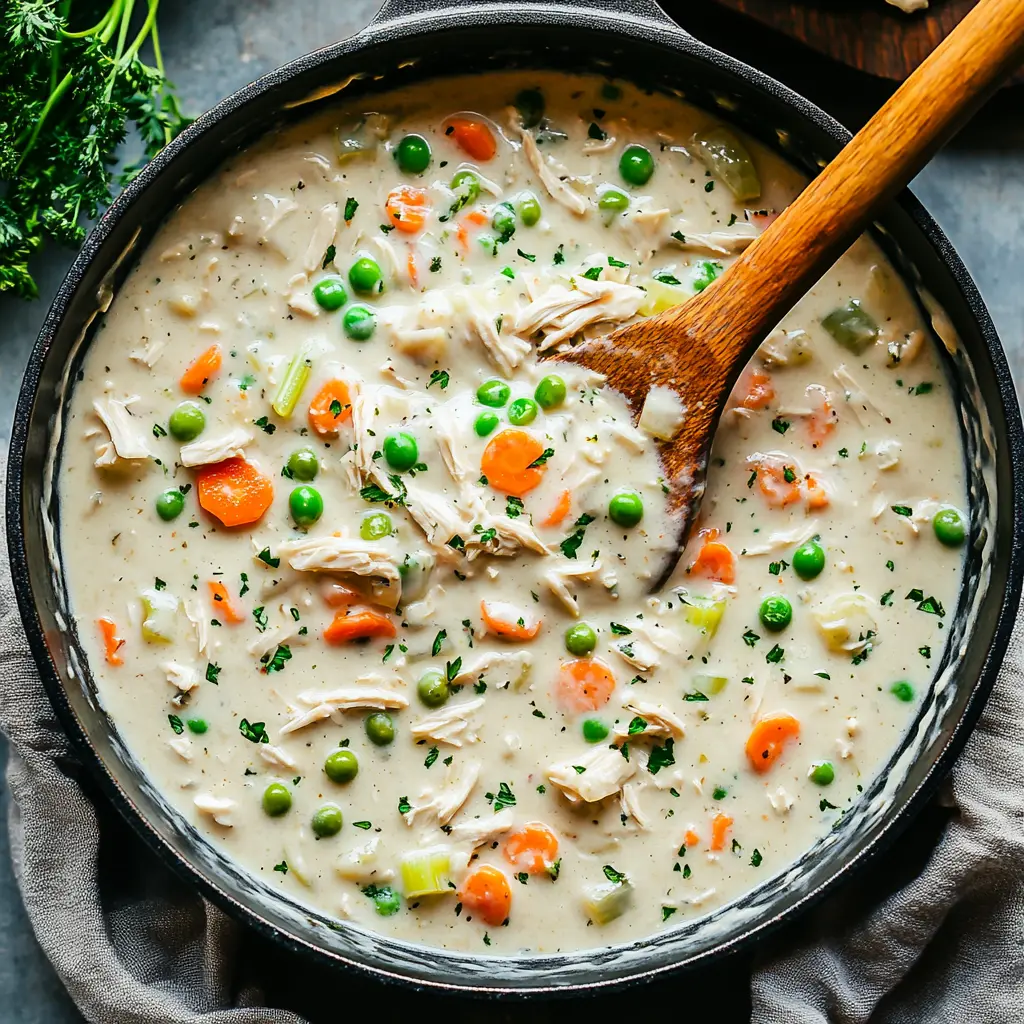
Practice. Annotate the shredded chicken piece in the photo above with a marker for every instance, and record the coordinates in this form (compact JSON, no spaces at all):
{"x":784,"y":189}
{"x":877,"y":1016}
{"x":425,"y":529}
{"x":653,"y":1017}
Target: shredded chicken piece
{"x":780,"y":800}
{"x":478,"y":831}
{"x":217,"y":807}
{"x":195,"y":615}
{"x":565,"y":572}
{"x":505,"y":351}
{"x":605,"y":771}
{"x":453,"y":724}
{"x":553,"y":184}
{"x":460,"y":778}
{"x":785,"y":348}
{"x":367,"y":693}
{"x":515,"y":666}
{"x":360,"y":864}
{"x":856,"y":397}
{"x":299,"y":298}
{"x":127,"y":434}
{"x":509,"y":537}
{"x":629,"y":800}
{"x":342,"y":555}
{"x":182,"y":677}
{"x":208,"y":450}
{"x":439,"y":519}
{"x":637,"y":652}
{"x":660,"y":720}
{"x":321,"y":237}
{"x":278,"y":757}
{"x":782,"y":539}
{"x":182,"y":746}
{"x":149,"y":354}
{"x":716,"y":243}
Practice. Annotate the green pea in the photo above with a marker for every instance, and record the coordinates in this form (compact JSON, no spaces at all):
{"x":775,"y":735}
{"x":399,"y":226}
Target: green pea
{"x":330,"y":293}
{"x":186,"y":422}
{"x":530,"y":104}
{"x":359,"y":323}
{"x":432,"y":688}
{"x":276,"y":800}
{"x":823,"y":773}
{"x":364,"y":275}
{"x":375,"y":525}
{"x":197,"y":725}
{"x":550,"y":392}
{"x":503,"y":221}
{"x":413,"y":154}
{"x":341,"y":766}
{"x":902,"y":691}
{"x":327,"y":821}
{"x":169,"y":505}
{"x":775,"y":612}
{"x":485,"y":423}
{"x":809,"y":560}
{"x":528,"y":206}
{"x":305,"y":505}
{"x":522,"y":411}
{"x":380,"y":727}
{"x":626,"y":508}
{"x":303,"y":464}
{"x":401,"y":451}
{"x":466,"y":183}
{"x":594,"y":730}
{"x":613,"y":201}
{"x":636,"y":165}
{"x":949,"y":527}
{"x":493,"y":393}
{"x":580,"y":639}
{"x":385,"y":900}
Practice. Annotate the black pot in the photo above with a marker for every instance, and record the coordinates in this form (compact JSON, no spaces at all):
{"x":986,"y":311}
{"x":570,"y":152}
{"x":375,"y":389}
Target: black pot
{"x":417,"y":39}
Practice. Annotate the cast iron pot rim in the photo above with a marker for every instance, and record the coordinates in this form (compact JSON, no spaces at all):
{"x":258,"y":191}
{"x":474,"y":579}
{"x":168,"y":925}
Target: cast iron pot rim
{"x":660,"y":31}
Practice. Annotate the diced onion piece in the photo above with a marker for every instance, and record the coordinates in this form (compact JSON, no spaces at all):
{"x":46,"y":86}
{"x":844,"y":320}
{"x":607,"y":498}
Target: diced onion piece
{"x":659,"y":296}
{"x":605,"y":902}
{"x":845,"y":622}
{"x":426,"y":872}
{"x":662,"y":414}
{"x":292,"y":384}
{"x":728,"y":160}
{"x":159,"y":616}
{"x":710,"y":684}
{"x":852,"y":326}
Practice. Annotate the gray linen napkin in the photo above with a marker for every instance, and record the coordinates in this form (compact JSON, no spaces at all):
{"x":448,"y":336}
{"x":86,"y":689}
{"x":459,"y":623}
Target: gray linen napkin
{"x":134,"y":946}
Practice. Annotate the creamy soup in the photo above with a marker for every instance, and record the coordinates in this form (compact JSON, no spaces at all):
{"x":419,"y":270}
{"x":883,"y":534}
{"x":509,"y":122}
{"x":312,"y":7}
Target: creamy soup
{"x":363,"y":572}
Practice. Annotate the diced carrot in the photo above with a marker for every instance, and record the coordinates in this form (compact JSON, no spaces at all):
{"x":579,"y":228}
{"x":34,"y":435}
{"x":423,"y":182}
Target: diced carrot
{"x":199,"y":372}
{"x":754,"y":390}
{"x":223,"y":606}
{"x":361,"y":625}
{"x":768,"y":737}
{"x":815,"y":494}
{"x":407,"y":207}
{"x":778,"y":482}
{"x":331,"y":407}
{"x":584,"y":684}
{"x":508,"y":460}
{"x":336,"y":595}
{"x":720,"y":825}
{"x":532,"y":848}
{"x":477,"y":219}
{"x":822,"y":420}
{"x":112,"y":643}
{"x":691,"y":838}
{"x":486,"y":894}
{"x":234,"y":491}
{"x":508,"y":621}
{"x":562,"y":508}
{"x":410,"y":266}
{"x":474,"y":138}
{"x":715,"y":560}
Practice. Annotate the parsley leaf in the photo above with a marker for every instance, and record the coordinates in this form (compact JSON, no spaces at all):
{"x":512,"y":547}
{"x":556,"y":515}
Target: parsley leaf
{"x":254,"y":733}
{"x":351,"y":205}
{"x":661,"y":757}
{"x":440,"y":377}
{"x":439,"y":640}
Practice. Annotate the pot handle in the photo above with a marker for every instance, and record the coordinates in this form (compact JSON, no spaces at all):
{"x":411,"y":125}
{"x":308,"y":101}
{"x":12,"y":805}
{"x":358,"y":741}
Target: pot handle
{"x":645,"y":10}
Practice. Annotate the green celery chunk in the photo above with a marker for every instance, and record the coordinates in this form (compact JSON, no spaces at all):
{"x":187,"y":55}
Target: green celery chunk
{"x":852,"y":326}
{"x":426,"y":872}
{"x":159,"y":616}
{"x":607,"y":901}
{"x":727,"y":159}
{"x":292,"y":383}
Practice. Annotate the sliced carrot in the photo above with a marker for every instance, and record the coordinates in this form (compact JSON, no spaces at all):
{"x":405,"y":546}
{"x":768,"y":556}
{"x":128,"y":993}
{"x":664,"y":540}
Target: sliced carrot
{"x":815,"y":494}
{"x":234,"y":491}
{"x":112,"y":643}
{"x":408,"y":208}
{"x":361,"y":625}
{"x":584,"y":684}
{"x":486,"y":894}
{"x":768,"y":737}
{"x":715,"y":560}
{"x":507,"y":462}
{"x":410,"y":266}
{"x":720,"y":825}
{"x":755,"y":390}
{"x":477,"y":219}
{"x":474,"y":138}
{"x":508,"y":621}
{"x":778,"y":482}
{"x":330,"y":408}
{"x":562,"y":508}
{"x":223,"y":606}
{"x":201,"y":370}
{"x":532,"y":848}
{"x":691,"y":838}
{"x":822,"y":420}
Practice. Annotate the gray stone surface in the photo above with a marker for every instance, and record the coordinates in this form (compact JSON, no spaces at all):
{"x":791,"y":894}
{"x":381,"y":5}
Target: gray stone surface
{"x":975,"y":190}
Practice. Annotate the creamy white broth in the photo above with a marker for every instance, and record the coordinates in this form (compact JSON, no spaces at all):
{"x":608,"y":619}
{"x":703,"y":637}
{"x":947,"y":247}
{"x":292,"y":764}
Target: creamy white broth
{"x":871,"y":440}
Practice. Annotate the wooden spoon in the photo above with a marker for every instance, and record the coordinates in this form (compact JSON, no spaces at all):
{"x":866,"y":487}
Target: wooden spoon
{"x":698,"y":349}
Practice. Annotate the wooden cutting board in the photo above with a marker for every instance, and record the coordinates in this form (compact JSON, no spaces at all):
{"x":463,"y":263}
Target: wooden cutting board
{"x":871,"y":35}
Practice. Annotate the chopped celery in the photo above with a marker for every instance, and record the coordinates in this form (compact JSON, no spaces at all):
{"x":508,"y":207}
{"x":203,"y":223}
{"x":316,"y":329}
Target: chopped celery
{"x":159,"y":616}
{"x":361,"y":139}
{"x":727,"y":158}
{"x":607,"y":901}
{"x":660,"y":296}
{"x":426,"y":872}
{"x":852,"y":326}
{"x":292,"y":383}
{"x":704,"y":612}
{"x":711,"y":684}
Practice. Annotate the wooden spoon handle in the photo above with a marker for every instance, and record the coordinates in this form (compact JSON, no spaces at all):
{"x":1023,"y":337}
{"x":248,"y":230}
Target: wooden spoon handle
{"x":779,"y":267}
